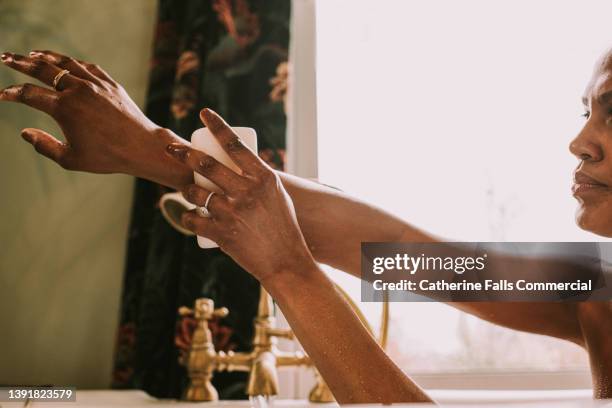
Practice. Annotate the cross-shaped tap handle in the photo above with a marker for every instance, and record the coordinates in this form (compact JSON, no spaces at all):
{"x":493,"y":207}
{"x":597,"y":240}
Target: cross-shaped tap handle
{"x":204,"y":309}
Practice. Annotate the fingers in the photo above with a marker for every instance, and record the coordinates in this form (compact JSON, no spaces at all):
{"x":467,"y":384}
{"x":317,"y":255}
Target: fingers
{"x":230,"y":142}
{"x":207,"y":166}
{"x":40,"y":98}
{"x":46,"y":145}
{"x":40,"y":69}
{"x":216,"y":204}
{"x":198,"y":195}
{"x":99,"y":72}
{"x":65,"y":62}
{"x":202,"y":226}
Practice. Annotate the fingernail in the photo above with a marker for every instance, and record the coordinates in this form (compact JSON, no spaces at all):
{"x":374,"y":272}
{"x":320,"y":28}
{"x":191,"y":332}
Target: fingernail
{"x":27,"y":136}
{"x":5,"y":57}
{"x":35,"y":54}
{"x":177,"y":150}
{"x":8,"y":91}
{"x":211,"y":119}
{"x":207,"y":113}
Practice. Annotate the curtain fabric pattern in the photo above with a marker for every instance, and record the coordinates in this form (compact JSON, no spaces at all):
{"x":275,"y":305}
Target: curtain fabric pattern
{"x":231,"y":56}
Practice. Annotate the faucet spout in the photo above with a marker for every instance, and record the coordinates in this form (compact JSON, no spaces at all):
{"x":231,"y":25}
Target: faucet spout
{"x":263,"y":378}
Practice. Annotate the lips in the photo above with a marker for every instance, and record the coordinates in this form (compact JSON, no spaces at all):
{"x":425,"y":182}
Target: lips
{"x":584,"y":183}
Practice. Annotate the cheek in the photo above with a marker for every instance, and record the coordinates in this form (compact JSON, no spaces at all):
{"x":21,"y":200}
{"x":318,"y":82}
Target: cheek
{"x":606,"y":148}
{"x":596,"y":216}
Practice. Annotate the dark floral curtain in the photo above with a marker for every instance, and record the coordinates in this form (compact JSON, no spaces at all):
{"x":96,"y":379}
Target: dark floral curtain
{"x":231,"y":56}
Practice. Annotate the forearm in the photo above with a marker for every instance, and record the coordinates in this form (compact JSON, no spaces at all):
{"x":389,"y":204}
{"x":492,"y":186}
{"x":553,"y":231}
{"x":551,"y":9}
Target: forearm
{"x":335,"y":224}
{"x":356,"y":369}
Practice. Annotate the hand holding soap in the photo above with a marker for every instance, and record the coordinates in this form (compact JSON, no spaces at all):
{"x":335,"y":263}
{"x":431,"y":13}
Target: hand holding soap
{"x":203,"y":140}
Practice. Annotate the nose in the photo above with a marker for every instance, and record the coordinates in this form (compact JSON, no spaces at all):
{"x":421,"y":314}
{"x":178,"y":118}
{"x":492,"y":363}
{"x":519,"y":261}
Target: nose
{"x":586,"y":146}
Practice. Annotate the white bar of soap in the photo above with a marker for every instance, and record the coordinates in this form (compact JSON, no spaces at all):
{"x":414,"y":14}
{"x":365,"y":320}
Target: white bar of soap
{"x":203,"y":140}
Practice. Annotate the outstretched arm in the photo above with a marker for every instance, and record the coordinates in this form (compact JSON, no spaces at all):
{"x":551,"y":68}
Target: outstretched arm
{"x":334,"y":225}
{"x":254,"y":222}
{"x":105,"y":132}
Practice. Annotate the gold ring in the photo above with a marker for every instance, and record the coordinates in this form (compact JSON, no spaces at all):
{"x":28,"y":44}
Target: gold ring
{"x":59,"y":76}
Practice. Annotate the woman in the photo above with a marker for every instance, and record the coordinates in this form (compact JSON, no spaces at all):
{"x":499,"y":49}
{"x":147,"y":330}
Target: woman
{"x":276,"y":226}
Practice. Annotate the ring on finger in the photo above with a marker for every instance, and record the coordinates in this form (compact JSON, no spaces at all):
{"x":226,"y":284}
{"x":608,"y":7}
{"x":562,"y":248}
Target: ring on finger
{"x":59,"y":77}
{"x":203,"y":211}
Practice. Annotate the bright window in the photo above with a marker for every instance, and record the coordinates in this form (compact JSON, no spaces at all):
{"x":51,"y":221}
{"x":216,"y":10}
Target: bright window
{"x":457,"y":117}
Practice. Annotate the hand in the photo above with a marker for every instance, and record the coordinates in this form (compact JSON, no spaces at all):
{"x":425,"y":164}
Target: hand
{"x":253,"y":220}
{"x":105,"y":131}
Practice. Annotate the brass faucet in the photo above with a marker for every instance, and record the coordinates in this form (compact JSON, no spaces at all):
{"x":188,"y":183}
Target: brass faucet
{"x":261,"y":363}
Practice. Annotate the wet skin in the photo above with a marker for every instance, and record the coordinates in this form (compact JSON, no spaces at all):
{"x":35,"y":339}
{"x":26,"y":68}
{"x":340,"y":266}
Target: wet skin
{"x":295,"y":222}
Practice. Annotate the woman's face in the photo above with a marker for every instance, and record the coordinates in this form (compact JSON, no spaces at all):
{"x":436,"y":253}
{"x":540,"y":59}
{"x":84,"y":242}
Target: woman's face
{"x":593,"y":147}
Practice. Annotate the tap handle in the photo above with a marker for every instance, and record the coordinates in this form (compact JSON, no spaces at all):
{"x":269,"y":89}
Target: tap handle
{"x":220,"y":312}
{"x":282,"y":333}
{"x":185,"y":311}
{"x":204,"y":309}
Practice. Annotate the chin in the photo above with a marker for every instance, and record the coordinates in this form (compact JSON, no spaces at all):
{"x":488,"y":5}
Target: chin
{"x":595,"y":218}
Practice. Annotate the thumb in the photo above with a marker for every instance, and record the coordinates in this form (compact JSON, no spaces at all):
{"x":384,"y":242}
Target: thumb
{"x":45,"y":144}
